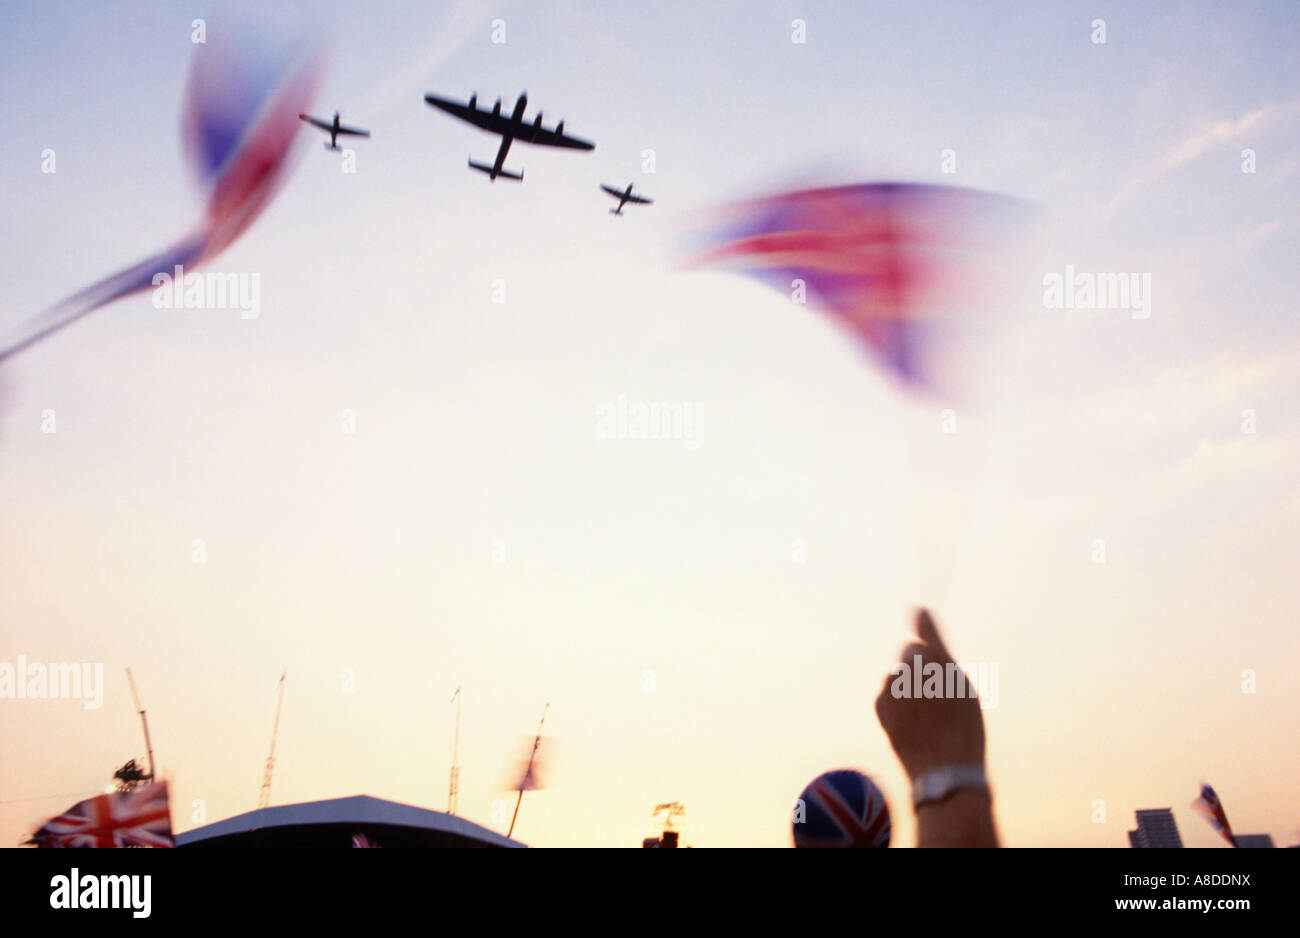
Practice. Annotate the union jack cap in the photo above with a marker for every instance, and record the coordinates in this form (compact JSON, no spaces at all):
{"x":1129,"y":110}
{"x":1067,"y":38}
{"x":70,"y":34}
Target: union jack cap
{"x":843,"y":808}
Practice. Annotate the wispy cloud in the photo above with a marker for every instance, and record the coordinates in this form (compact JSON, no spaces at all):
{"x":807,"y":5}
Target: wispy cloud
{"x":467,"y":18}
{"x":1190,"y":393}
{"x":1200,"y":141}
{"x":1232,"y":460}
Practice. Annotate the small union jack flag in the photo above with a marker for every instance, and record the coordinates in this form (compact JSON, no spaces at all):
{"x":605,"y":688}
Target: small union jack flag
{"x":843,"y":808}
{"x":140,"y":818}
{"x":1211,"y":807}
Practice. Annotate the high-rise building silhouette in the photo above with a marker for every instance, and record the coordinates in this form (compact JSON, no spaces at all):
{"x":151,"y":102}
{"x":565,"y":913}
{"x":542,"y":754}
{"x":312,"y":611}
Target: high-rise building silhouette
{"x":1254,"y":840}
{"x":1155,"y":828}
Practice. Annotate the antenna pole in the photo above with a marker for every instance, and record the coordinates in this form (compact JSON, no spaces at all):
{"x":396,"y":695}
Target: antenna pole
{"x":453,"y":786}
{"x":264,"y":797}
{"x":528,"y":773}
{"x":143,"y":721}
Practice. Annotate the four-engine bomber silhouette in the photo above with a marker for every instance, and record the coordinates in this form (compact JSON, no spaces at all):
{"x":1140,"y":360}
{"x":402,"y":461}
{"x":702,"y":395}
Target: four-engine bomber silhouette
{"x":335,"y":130}
{"x":624,"y":196}
{"x":509,"y":128}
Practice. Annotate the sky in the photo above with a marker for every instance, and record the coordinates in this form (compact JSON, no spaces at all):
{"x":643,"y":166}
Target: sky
{"x":709,"y":619}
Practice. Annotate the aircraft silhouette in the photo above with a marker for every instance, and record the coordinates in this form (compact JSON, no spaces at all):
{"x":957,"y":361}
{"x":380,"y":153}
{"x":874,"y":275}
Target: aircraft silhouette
{"x":509,"y":128}
{"x":335,"y":130}
{"x":624,"y":196}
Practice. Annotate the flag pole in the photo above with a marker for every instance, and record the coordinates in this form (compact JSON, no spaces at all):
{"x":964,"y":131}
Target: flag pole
{"x":532,"y":757}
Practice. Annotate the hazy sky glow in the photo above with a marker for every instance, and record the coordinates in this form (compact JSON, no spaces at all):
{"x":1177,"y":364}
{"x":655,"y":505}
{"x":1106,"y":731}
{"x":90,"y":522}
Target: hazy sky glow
{"x":477,"y":530}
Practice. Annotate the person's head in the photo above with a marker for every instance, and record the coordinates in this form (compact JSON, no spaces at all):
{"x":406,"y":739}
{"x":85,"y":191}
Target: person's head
{"x":841,"y":808}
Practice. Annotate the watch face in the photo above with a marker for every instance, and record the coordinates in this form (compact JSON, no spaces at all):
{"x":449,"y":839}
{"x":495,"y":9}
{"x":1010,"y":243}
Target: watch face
{"x":942,"y":782}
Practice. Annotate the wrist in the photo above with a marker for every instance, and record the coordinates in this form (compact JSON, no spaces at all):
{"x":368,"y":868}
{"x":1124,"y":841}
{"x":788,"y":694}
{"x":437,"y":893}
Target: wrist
{"x":938,"y":782}
{"x":965,"y":800}
{"x":963,"y":820}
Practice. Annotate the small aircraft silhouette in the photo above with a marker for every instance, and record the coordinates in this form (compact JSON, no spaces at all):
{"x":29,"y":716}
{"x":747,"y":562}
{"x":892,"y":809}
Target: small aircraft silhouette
{"x":624,"y":196}
{"x":509,"y":128}
{"x":335,"y":130}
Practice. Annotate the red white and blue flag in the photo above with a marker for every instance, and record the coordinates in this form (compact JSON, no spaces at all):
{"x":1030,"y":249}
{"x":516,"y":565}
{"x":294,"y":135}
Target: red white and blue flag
{"x":891,"y":262}
{"x":1211,"y":807}
{"x":139,"y":818}
{"x":240,"y":118}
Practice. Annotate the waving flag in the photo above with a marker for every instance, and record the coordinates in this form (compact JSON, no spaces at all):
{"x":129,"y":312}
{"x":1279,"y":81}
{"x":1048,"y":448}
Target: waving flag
{"x":1210,"y":806}
{"x":892,"y":262}
{"x":139,"y":818}
{"x":240,"y":117}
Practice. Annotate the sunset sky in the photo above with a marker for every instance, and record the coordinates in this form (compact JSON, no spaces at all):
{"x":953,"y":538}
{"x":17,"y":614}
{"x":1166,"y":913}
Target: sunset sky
{"x":710,"y":624}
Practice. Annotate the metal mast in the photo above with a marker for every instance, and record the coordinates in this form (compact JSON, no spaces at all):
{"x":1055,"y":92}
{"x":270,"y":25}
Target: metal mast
{"x":453,"y":786}
{"x":264,"y":797}
{"x":143,"y":721}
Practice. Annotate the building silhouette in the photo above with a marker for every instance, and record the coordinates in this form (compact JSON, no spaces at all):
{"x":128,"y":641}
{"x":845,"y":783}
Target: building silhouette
{"x":1155,"y":828}
{"x":1254,"y":840}
{"x":339,"y":822}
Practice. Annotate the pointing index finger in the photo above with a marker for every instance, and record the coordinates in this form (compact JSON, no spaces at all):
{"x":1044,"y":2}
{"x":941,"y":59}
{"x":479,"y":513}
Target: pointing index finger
{"x":928,"y":633}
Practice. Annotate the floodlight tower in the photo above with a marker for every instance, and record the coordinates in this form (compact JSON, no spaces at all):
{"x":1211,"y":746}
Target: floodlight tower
{"x":670,"y":811}
{"x":264,"y":797}
{"x":453,"y":786}
{"x":138,"y":779}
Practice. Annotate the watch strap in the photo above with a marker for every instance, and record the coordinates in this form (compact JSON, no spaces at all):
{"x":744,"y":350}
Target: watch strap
{"x":938,"y":784}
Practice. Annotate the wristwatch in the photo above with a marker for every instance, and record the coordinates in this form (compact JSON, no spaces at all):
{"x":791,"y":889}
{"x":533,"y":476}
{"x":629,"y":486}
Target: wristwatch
{"x":938,"y":784}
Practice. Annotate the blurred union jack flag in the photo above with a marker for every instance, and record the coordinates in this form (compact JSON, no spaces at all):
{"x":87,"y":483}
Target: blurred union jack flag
{"x":889,"y":261}
{"x":1211,"y":807}
{"x":140,"y":818}
{"x":240,"y":118}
